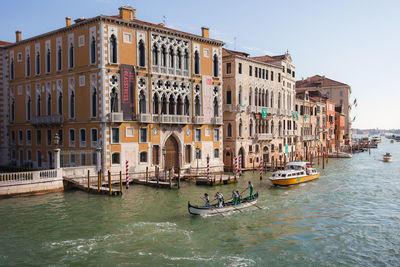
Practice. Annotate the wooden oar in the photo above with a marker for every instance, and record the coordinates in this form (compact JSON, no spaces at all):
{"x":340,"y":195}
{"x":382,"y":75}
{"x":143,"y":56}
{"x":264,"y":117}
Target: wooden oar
{"x":217,"y":211}
{"x":236,"y":209}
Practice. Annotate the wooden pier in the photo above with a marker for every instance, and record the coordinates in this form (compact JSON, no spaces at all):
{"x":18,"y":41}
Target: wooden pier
{"x":215,"y":180}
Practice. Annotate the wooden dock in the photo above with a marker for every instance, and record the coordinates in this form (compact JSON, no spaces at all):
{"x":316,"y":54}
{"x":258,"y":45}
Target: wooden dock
{"x":215,"y":180}
{"x":94,"y":189}
{"x":155,"y":183}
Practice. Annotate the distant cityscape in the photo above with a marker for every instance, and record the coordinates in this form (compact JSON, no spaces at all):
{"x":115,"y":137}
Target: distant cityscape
{"x":375,"y":131}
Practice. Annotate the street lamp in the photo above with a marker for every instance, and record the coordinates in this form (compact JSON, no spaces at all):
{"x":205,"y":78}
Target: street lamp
{"x":56,"y":139}
{"x":197,"y":158}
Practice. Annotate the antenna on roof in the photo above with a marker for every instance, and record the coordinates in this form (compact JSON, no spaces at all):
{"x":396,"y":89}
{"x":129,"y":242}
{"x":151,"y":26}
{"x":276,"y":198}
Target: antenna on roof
{"x":164,"y":20}
{"x":234,"y":43}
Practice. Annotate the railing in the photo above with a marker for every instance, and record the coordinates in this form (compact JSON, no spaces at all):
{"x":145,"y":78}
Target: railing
{"x":290,"y":132}
{"x":15,"y":177}
{"x":217,"y":120}
{"x":116,"y":117}
{"x":47,"y":120}
{"x":228,"y":107}
{"x":178,"y":119}
{"x":308,"y":137}
{"x":252,"y":109}
{"x":241,"y":108}
{"x":264,"y":136}
{"x":198,"y":119}
{"x":169,"y":71}
{"x":145,"y":118}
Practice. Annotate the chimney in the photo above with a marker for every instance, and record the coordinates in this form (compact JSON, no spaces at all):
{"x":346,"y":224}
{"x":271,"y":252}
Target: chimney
{"x":18,"y":36}
{"x":205,"y":32}
{"x":127,"y":12}
{"x":67,"y":21}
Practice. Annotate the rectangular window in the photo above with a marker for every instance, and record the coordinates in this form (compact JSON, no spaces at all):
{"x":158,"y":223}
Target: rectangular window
{"x":240,"y":68}
{"x":188,"y":152}
{"x":263,"y":74}
{"x":216,"y":135}
{"x":12,"y":137}
{"x":259,"y":72}
{"x":49,"y":137}
{"x":20,"y":137}
{"x":82,"y":135}
{"x":38,"y":137}
{"x":130,"y":132}
{"x":256,"y":72}
{"x":250,"y":71}
{"x":198,"y":135}
{"x":228,"y":68}
{"x":60,"y":135}
{"x":266,"y":74}
{"x":72,"y":137}
{"x":143,"y":135}
{"x":228,"y":97}
{"x":28,"y":137}
{"x":272,"y":75}
{"x":216,"y":153}
{"x":94,"y":137}
{"x":279,"y":77}
{"x":250,"y":148}
{"x":115,"y":135}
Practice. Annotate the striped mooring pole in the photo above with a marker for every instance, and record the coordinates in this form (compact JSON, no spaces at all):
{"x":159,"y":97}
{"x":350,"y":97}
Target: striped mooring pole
{"x":127,"y":174}
{"x":236,"y":166}
{"x":208,"y":168}
{"x":261,"y":168}
{"x":240,"y":165}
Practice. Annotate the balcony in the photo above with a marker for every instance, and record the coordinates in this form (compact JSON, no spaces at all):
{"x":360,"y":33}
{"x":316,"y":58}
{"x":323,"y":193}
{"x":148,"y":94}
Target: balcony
{"x":217,"y":120}
{"x":290,"y":132}
{"x":241,"y":108}
{"x":264,"y":136}
{"x":47,"y":120}
{"x":174,"y":119}
{"x":308,"y":137}
{"x":252,"y":109}
{"x":116,"y":117}
{"x":198,"y":120}
{"x":144,"y":118}
{"x":228,"y":107}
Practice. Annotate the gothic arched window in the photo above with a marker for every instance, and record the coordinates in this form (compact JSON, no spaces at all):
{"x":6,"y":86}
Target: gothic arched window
{"x":196,"y":62}
{"x":154,"y":53}
{"x":186,"y":60}
{"x":142,"y":103}
{"x":60,"y":103}
{"x":229,"y":130}
{"x":215,"y":65}
{"x":38,"y":63}
{"x":48,"y":104}
{"x":216,"y":107}
{"x":38,"y":106}
{"x":113,"y":49}
{"x":59,"y":57}
{"x":94,"y":103}
{"x":28,"y":65}
{"x":171,"y":57}
{"x":142,"y":54}
{"x":48,"y":61}
{"x":93,"y":51}
{"x":12,"y":69}
{"x":163,"y":56}
{"x":28,"y":108}
{"x":197,"y":107}
{"x":71,"y":56}
{"x":72,"y":105}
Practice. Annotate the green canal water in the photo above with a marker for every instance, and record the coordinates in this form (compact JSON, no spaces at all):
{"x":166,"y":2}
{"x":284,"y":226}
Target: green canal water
{"x":349,"y":217}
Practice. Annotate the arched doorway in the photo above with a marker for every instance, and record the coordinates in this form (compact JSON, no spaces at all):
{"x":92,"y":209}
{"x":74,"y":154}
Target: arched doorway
{"x":228,"y":160}
{"x":241,"y":154}
{"x":172,"y":154}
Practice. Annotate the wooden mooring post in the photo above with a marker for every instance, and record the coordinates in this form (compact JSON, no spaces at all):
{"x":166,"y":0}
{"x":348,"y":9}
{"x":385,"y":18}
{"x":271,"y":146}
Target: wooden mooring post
{"x":169,"y":178}
{"x":147,"y":174}
{"x":323,"y":160}
{"x":88,"y":180}
{"x":120,"y":180}
{"x":109,"y":183}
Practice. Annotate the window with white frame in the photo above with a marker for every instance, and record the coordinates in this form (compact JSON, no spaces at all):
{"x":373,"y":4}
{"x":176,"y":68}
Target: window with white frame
{"x":115,"y":135}
{"x":216,"y":135}
{"x":28,"y":137}
{"x":82,"y":137}
{"x":94,"y":137}
{"x":198,"y":135}
{"x":143,"y":135}
{"x":71,"y":137}
{"x":130,"y":132}
{"x":216,"y":153}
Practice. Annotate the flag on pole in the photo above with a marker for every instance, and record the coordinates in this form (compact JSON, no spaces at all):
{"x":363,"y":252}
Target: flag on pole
{"x":297,"y":116}
{"x":305,"y":117}
{"x":355,"y":101}
{"x":354,"y":118}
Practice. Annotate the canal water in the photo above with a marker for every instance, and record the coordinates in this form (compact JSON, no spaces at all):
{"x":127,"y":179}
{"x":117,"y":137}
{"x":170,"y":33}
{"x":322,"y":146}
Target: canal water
{"x":349,"y":217}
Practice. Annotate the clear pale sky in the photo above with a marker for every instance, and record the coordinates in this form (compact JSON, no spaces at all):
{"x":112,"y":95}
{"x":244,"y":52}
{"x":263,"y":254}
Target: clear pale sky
{"x":355,"y":42}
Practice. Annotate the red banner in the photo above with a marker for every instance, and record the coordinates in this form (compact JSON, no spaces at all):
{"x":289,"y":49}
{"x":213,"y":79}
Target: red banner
{"x":128,"y":81}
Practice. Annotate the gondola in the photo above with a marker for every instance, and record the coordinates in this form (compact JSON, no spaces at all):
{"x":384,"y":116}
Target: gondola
{"x":214,"y":209}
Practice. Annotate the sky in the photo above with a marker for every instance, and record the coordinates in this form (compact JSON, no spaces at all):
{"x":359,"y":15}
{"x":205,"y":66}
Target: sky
{"x":356,"y":42}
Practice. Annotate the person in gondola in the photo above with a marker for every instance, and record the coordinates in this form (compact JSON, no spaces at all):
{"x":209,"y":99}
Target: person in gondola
{"x":251,"y":188}
{"x":220,"y":198}
{"x":234,"y":197}
{"x":206,"y":200}
{"x":238,"y":197}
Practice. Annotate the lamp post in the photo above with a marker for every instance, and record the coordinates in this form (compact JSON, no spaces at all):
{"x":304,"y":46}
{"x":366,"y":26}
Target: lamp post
{"x":197,"y":158}
{"x":57,"y":163}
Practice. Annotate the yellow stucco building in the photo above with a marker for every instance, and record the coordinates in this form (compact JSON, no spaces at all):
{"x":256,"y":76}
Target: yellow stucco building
{"x":115,"y":89}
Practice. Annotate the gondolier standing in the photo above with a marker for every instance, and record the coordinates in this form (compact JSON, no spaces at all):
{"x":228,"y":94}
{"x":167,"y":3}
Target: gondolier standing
{"x":251,"y":188}
{"x":206,"y":200}
{"x":220,"y":197}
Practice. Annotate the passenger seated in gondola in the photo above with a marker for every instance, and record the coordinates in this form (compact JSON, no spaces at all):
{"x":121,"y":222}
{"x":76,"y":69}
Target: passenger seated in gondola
{"x":206,"y":200}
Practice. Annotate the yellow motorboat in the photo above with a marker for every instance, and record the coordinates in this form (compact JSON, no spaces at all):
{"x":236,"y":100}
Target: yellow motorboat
{"x":294,"y":173}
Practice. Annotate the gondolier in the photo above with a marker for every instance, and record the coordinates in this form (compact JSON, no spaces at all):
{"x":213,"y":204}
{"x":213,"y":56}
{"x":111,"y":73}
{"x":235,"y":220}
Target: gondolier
{"x":220,"y":197}
{"x":251,"y":188}
{"x":206,"y":199}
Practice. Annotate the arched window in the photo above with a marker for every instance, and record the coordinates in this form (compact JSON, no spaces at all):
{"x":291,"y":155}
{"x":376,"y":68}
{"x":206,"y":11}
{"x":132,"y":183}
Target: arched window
{"x":113,"y":49}
{"x":186,"y":106}
{"x":154,"y":53}
{"x":60,"y":104}
{"x":171,"y":108}
{"x":59,"y":55}
{"x":72,"y":105}
{"x":215,"y":65}
{"x":272,"y":99}
{"x":48,"y":61}
{"x":38,"y":63}
{"x":250,"y":96}
{"x":164,"y":104}
{"x":263,"y":99}
{"x":179,"y":59}
{"x":179,"y":106}
{"x":163,"y":56}
{"x":142,"y":103}
{"x":12,"y":109}
{"x":267,"y":127}
{"x":240,"y":128}
{"x":279,"y":100}
{"x":71,"y":56}
{"x":28,"y":65}
{"x":255,"y":97}
{"x":280,"y":129}
{"x":12,"y":69}
{"x":115,"y":158}
{"x":216,"y":112}
{"x":93,"y":50}
{"x":229,"y":130}
{"x":272,"y":127}
{"x":197,"y":107}
{"x":155,"y":104}
{"x":259,"y":98}
{"x":196,"y":62}
{"x":38,"y":106}
{"x":186,"y":60}
{"x":266,"y":99}
{"x":142,"y":54}
{"x":28,"y":108}
{"x":48,"y":104}
{"x":114,"y":100}
{"x":94,"y":103}
{"x":171,"y":57}
{"x":251,"y":128}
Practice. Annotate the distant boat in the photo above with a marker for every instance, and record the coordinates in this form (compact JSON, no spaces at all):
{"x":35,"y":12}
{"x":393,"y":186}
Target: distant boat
{"x":392,"y":141}
{"x":376,"y":139}
{"x":340,"y":155}
{"x":387,"y":157}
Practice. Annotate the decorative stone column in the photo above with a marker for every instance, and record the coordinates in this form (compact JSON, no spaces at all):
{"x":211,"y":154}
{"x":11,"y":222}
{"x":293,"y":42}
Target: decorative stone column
{"x":98,"y":159}
{"x":57,"y":159}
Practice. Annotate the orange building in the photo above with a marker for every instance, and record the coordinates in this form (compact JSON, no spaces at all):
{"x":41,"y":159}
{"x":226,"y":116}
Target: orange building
{"x":330,"y":126}
{"x":115,"y":89}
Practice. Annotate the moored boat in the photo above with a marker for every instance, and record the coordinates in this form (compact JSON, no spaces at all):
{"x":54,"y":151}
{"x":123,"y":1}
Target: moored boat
{"x":340,"y":155}
{"x":376,"y":139}
{"x":294,"y":173}
{"x":228,"y":206}
{"x":387,"y":157}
